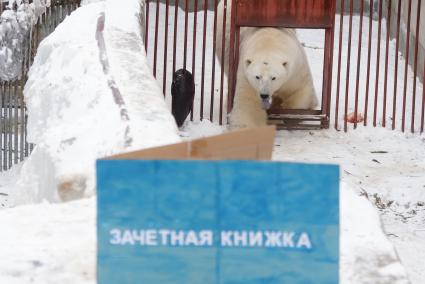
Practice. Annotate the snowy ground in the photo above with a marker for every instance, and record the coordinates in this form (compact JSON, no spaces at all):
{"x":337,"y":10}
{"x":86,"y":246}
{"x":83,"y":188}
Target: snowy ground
{"x":55,"y":243}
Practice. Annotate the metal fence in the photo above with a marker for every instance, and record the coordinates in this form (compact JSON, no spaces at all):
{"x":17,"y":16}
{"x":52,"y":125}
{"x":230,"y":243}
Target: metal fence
{"x":13,"y":118}
{"x":377,"y":68}
{"x":378,"y":59}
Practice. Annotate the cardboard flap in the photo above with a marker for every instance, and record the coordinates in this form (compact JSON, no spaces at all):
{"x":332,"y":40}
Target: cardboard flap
{"x":246,"y":144}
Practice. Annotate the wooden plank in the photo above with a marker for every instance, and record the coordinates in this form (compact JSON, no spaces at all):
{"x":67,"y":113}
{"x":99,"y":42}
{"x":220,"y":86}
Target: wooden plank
{"x":286,"y":13}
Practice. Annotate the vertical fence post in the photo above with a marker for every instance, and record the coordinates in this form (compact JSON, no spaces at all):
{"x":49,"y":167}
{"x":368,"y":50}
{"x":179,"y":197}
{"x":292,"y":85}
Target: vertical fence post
{"x":369,"y":53}
{"x":1,"y":124}
{"x":415,"y":64}
{"x":338,"y":86}
{"x":397,"y":40}
{"x":213,"y":63}
{"x":406,"y":65}
{"x":204,"y":41}
{"x":359,"y":54}
{"x":347,"y":83}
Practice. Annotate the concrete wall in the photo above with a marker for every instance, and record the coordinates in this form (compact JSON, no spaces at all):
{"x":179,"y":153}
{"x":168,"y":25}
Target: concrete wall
{"x":403,"y":29}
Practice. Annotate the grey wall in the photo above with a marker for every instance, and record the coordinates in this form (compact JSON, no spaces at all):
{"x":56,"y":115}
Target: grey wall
{"x":403,"y":30}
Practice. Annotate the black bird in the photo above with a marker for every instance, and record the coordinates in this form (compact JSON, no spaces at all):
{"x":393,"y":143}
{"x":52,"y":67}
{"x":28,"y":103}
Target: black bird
{"x":182,"y":92}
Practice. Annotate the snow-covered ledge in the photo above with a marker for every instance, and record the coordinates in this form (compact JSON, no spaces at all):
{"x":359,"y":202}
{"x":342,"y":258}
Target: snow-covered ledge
{"x":90,"y":94}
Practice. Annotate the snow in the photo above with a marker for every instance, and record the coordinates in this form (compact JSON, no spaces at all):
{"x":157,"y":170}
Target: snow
{"x":382,"y":171}
{"x":39,"y":249}
{"x":15,"y":27}
{"x":81,"y":104}
{"x":384,"y":166}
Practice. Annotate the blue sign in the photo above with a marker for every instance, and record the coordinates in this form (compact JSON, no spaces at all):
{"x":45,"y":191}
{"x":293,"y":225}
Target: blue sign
{"x":217,"y":222}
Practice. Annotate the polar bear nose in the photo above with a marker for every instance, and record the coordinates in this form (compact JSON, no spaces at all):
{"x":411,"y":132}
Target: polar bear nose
{"x":264,"y":96}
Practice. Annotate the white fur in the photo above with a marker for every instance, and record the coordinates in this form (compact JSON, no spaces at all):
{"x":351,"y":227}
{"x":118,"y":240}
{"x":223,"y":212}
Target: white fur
{"x":271,"y":61}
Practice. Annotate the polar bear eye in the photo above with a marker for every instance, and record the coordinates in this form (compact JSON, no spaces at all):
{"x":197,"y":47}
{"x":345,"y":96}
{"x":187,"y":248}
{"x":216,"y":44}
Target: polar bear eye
{"x":284,"y":64}
{"x":258,"y":77}
{"x":273,"y":78}
{"x":248,"y":62}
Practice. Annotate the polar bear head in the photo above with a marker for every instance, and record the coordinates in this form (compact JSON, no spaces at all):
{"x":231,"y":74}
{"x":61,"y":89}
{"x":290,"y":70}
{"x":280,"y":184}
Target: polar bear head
{"x":266,"y":77}
{"x":269,"y":59}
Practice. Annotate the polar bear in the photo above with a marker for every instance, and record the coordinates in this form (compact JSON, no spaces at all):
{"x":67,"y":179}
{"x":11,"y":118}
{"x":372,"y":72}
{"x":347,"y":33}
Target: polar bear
{"x":273,"y":69}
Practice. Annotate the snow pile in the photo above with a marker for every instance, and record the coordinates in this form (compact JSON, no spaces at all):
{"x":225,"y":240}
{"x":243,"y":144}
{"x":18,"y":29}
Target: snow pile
{"x":15,"y":27}
{"x":367,"y":256}
{"x":387,"y":167}
{"x":52,"y":250}
{"x":89,"y":94}
{"x":49,"y":243}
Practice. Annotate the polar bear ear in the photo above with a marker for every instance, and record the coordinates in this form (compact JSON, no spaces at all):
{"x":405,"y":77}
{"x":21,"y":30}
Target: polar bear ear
{"x":248,"y":62}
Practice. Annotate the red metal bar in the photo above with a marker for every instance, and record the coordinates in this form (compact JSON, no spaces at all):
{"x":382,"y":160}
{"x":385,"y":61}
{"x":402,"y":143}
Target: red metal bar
{"x":186,"y":16}
{"x":359,"y":54}
{"x":406,"y":65}
{"x":369,"y":53}
{"x":204,"y":41}
{"x":338,"y":86}
{"x":327,"y":75}
{"x":195,"y":20}
{"x":223,"y":49}
{"x":155,"y":49}
{"x":386,"y":66}
{"x":164,"y":76}
{"x":331,"y":58}
{"x":347,"y":85}
{"x":233,"y":54}
{"x":327,"y":70}
{"x":288,"y":13}
{"x":176,"y":8}
{"x":415,"y":66}
{"x":213,"y":63}
{"x":378,"y":56}
{"x":397,"y":40}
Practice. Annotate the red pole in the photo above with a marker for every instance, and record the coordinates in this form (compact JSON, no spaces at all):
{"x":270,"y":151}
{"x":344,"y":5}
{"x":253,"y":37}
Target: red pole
{"x":347,"y":85}
{"x":164,"y":76}
{"x":176,"y":8}
{"x":203,"y":59}
{"x":415,"y":66}
{"x":213,"y":64}
{"x":155,"y":50}
{"x":406,"y":65}
{"x":396,"y":64}
{"x":359,"y":54}
{"x":386,"y":66}
{"x":369,"y":53}
{"x":341,"y":27}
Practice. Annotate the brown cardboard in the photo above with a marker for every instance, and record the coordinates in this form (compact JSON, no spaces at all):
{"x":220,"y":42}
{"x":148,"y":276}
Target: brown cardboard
{"x":246,"y":144}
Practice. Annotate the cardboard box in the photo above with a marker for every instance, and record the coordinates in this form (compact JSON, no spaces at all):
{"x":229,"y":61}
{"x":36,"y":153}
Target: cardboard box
{"x":246,"y":144}
{"x":165,"y":219}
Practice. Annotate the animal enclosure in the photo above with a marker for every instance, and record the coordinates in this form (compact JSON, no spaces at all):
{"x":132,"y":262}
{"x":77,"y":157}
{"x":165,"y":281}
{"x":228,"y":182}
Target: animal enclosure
{"x":375,"y":78}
